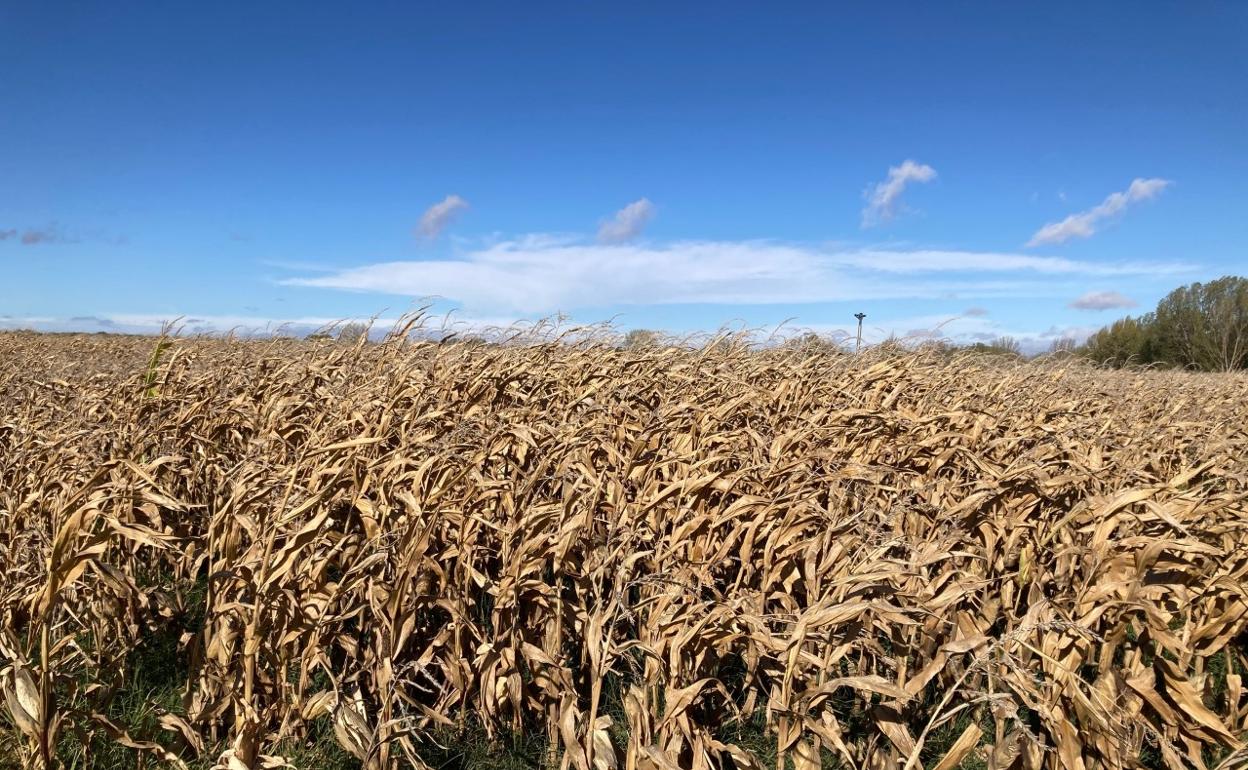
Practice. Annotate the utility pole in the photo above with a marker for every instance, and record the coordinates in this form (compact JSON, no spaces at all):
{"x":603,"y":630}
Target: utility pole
{"x":859,"y":316}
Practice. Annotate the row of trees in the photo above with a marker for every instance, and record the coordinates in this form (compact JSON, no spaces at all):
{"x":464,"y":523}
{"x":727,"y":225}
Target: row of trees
{"x":1202,"y":326}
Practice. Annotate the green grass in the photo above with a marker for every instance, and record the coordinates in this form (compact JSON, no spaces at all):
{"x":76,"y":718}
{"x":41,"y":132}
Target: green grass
{"x":156,"y":674}
{"x":149,"y":378}
{"x":941,"y":739}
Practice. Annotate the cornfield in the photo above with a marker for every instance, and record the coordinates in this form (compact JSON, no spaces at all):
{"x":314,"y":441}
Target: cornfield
{"x":216,"y":553}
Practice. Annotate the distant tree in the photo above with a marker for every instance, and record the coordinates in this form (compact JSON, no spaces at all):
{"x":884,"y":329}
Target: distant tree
{"x":812,"y":342}
{"x":1205,"y":325}
{"x":1123,"y":342}
{"x":1199,"y":326}
{"x":1063,"y":345}
{"x":352,"y":333}
{"x":892,"y":345}
{"x":1001,"y":346}
{"x":641,"y":338}
{"x":1007,"y":345}
{"x":941,"y":347}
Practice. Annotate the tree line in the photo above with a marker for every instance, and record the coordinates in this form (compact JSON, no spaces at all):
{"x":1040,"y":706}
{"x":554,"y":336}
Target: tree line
{"x":1201,"y":326}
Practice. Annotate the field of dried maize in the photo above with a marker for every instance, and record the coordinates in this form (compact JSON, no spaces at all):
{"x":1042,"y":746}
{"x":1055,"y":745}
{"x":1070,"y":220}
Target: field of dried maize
{"x":231,"y":553}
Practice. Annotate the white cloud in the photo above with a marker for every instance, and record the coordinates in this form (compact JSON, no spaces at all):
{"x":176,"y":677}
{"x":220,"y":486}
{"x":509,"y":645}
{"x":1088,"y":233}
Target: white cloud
{"x":627,"y":223}
{"x":884,"y":200}
{"x":24,"y":322}
{"x":1102,"y":300}
{"x":249,"y":325}
{"x":439,"y":215}
{"x":937,"y":260}
{"x":545,"y":274}
{"x":1084,"y":224}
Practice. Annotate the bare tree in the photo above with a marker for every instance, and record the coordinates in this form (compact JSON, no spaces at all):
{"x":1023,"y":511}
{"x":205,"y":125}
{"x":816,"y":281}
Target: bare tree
{"x":353,"y":332}
{"x":641,"y":338}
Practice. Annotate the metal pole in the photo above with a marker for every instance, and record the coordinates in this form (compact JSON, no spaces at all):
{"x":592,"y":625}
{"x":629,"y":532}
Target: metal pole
{"x":858,"y":345}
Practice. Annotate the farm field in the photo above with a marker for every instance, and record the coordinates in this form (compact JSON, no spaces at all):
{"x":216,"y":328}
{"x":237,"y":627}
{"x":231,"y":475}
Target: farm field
{"x":249,"y":554}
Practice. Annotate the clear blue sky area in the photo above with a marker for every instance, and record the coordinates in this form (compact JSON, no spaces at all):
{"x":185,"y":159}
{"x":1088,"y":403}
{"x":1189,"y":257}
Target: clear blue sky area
{"x":1031,"y":169}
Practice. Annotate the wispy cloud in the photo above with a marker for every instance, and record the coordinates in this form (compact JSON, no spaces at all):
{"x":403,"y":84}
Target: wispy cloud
{"x":545,"y":274}
{"x":975,"y":312}
{"x":884,"y":199}
{"x":52,"y":233}
{"x":249,"y":325}
{"x":92,"y":320}
{"x":945,"y":261}
{"x":149,"y":323}
{"x":439,"y":215}
{"x":1085,"y":223}
{"x":1101,"y":300}
{"x":627,"y":223}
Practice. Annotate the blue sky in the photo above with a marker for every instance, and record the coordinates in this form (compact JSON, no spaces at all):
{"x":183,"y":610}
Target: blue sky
{"x":1035,"y":170}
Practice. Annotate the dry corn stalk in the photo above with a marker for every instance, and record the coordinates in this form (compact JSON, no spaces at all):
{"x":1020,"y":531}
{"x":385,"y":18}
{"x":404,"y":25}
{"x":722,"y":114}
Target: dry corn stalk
{"x":897,"y":559}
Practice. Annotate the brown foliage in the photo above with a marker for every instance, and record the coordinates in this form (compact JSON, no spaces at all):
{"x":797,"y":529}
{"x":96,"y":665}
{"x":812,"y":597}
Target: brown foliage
{"x":628,"y":549}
